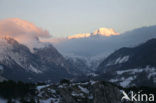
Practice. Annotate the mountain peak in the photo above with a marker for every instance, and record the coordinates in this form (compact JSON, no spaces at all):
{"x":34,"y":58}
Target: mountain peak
{"x":101,"y":31}
{"x":105,"y":32}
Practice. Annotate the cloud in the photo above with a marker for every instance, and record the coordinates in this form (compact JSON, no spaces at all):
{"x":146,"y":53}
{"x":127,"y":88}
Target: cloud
{"x":21,"y":30}
{"x":54,"y":40}
{"x":83,"y":35}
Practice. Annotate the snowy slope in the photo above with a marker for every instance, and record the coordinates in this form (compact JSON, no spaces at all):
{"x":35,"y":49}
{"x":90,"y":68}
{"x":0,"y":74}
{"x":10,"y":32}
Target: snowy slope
{"x":131,"y":66}
{"x":19,"y":63}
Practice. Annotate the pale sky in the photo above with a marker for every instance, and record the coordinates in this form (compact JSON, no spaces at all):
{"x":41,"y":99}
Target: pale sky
{"x":68,"y":17}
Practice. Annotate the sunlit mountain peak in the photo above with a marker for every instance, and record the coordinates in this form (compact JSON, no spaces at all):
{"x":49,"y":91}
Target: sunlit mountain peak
{"x":101,"y":31}
{"x":105,"y":32}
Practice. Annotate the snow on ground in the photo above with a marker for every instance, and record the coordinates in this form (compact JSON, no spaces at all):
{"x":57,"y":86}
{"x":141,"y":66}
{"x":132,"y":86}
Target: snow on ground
{"x":117,"y":79}
{"x":132,"y":71}
{"x":127,"y":81}
{"x":62,"y":86}
{"x":151,"y":74}
{"x":50,"y":100}
{"x":33,"y":69}
{"x":52,"y":91}
{"x":85,"y":90}
{"x":77,"y":94}
{"x":3,"y":100}
{"x":40,"y":87}
{"x":147,"y":69}
{"x":92,"y":82}
{"x":121,"y":59}
{"x":114,"y":80}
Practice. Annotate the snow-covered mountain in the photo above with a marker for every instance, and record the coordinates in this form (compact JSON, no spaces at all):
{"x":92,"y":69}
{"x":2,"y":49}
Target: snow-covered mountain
{"x":91,"y":48}
{"x":24,"y":57}
{"x":101,"y":31}
{"x":86,"y":65}
{"x":131,"y":66}
{"x":103,"y":41}
{"x":19,"y":63}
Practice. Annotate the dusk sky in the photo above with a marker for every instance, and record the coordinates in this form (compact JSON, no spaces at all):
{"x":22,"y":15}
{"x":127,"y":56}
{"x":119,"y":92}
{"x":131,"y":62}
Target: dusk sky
{"x":67,"y":17}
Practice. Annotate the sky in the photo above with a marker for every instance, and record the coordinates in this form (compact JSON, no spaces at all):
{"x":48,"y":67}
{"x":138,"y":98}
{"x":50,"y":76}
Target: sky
{"x":67,"y":17}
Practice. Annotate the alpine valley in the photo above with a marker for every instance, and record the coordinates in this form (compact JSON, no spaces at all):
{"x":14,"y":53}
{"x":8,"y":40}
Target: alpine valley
{"x":124,"y":66}
{"x":83,"y":68}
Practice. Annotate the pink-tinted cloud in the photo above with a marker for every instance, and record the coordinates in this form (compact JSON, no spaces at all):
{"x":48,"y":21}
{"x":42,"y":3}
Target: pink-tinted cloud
{"x":83,"y":35}
{"x":21,"y":30}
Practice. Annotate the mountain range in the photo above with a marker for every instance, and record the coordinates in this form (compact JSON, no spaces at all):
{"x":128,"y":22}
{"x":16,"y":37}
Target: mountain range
{"x":100,"y":43}
{"x":134,"y":66}
{"x":122,"y":58}
{"x":43,"y":64}
{"x":92,"y":48}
